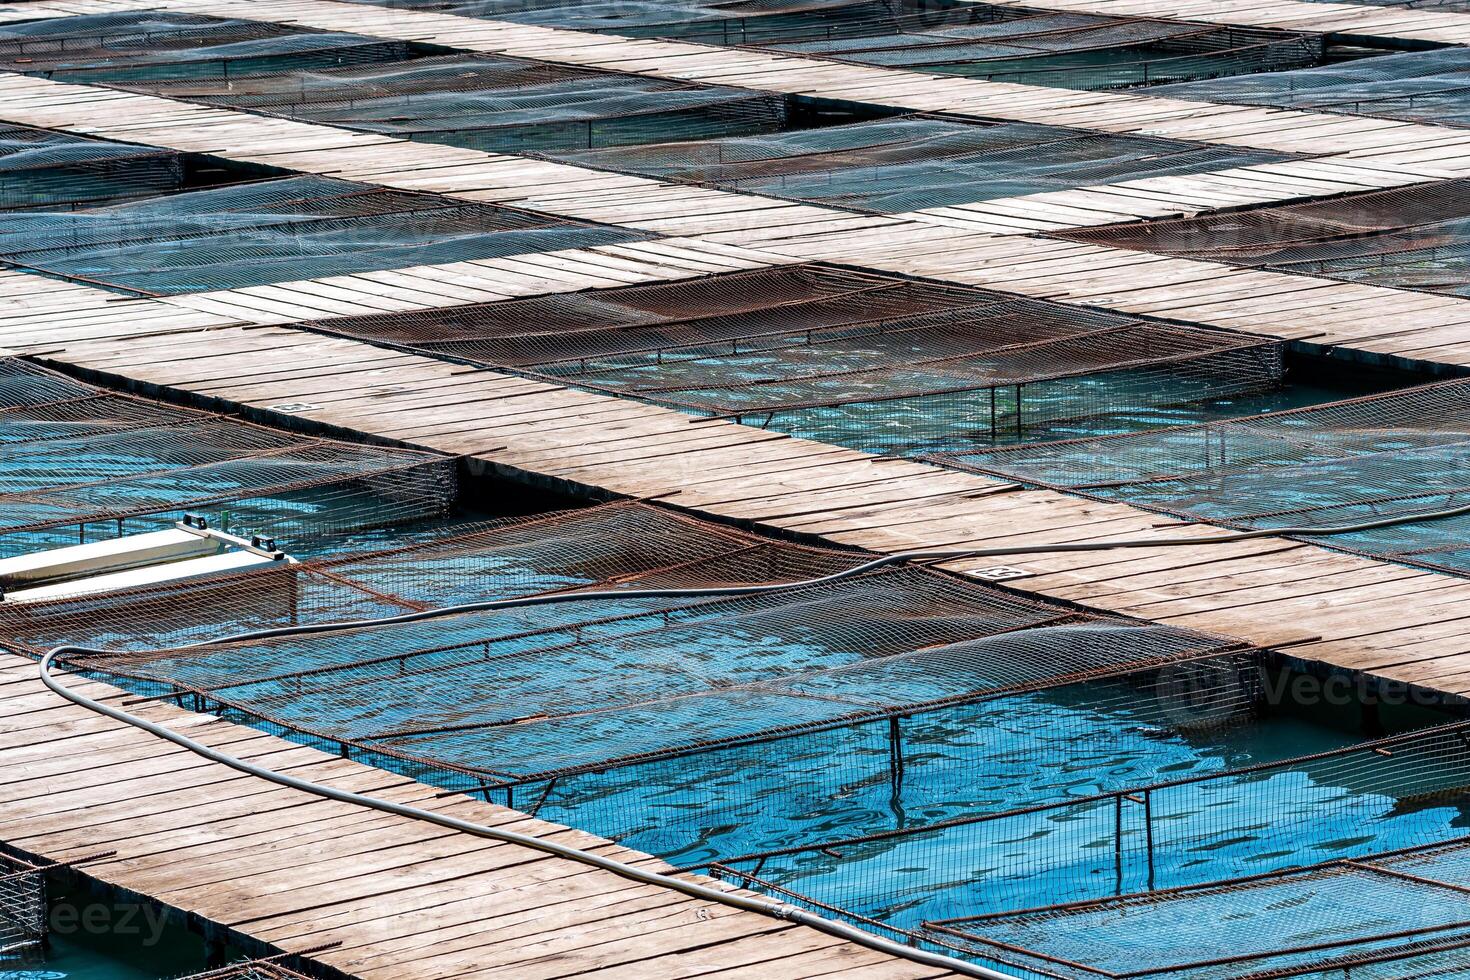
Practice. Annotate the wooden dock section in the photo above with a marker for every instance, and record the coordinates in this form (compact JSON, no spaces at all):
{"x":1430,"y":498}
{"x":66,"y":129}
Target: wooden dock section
{"x":1350,"y":611}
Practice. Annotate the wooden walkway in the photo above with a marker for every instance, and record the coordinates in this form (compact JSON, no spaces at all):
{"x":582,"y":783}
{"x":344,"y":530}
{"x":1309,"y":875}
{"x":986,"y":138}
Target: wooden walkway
{"x":408,"y":902}
{"x":404,"y":900}
{"x":1424,"y":149}
{"x":1346,"y":610}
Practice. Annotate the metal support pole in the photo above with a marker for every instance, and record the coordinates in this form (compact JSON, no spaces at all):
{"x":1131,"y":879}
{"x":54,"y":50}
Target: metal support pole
{"x":1148,"y":833}
{"x":895,"y":757}
{"x":1118,"y":842}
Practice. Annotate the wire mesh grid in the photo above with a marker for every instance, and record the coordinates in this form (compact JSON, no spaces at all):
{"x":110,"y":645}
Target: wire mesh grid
{"x":23,"y":909}
{"x":1378,"y":917}
{"x":915,"y":162}
{"x":1081,"y":51}
{"x":1062,"y":50}
{"x":130,"y":46}
{"x":277,"y":230}
{"x":1389,"y":454}
{"x":40,"y":168}
{"x":1420,"y":86}
{"x":496,"y":104}
{"x":76,"y":455}
{"x":1151,"y":841}
{"x":1414,"y":238}
{"x":854,"y":358}
{"x":578,"y":549}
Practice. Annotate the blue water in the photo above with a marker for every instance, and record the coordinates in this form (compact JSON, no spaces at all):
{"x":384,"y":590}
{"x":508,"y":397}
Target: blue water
{"x":1050,"y":747}
{"x":140,"y":954}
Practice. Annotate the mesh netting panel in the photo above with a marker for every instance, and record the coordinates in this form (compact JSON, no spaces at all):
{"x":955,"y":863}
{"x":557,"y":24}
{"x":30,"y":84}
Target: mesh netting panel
{"x":917,"y":162}
{"x":131,"y":46}
{"x":39,"y":168}
{"x":1422,"y":86}
{"x":76,"y":455}
{"x":1079,"y":51}
{"x":23,"y":909}
{"x":852,"y":358}
{"x":497,"y":104}
{"x":1076,"y":51}
{"x":602,"y":546}
{"x":1383,"y":917}
{"x":1416,"y":237}
{"x":1407,"y":791}
{"x":276,"y":230}
{"x":1399,"y":453}
{"x":988,"y":753}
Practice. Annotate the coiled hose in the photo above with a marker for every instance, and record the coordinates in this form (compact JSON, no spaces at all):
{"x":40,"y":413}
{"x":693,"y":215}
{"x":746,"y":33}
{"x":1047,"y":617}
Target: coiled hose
{"x":693,"y":889}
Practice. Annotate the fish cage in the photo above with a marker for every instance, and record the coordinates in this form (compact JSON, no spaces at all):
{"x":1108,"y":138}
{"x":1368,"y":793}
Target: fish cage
{"x":1399,"y":916}
{"x":864,"y":360}
{"x":914,"y":162}
{"x":1267,"y":821}
{"x":81,"y":464}
{"x":40,"y":168}
{"x":23,"y":907}
{"x":1415,"y":237}
{"x":277,"y":230}
{"x":672,"y":724}
{"x":1398,"y":453}
{"x":463,"y":562}
{"x":1419,"y":86}
{"x":977,"y":40}
{"x":507,"y":105}
{"x":136,"y":45}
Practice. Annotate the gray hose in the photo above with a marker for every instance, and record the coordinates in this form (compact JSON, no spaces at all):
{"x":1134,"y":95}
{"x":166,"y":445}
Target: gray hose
{"x":693,"y":889}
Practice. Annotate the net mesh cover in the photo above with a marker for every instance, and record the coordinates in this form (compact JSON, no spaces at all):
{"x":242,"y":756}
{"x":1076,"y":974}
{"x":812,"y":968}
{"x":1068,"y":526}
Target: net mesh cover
{"x":1411,"y":238}
{"x":40,"y":168}
{"x":1067,"y":50}
{"x":1403,"y":452}
{"x":73,"y":455}
{"x":276,"y":230}
{"x":1393,"y":916}
{"x":854,"y":358}
{"x":132,"y":46}
{"x":1347,"y":803}
{"x":915,"y":162}
{"x":498,"y":104}
{"x":1418,"y":86}
{"x":23,"y":908}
